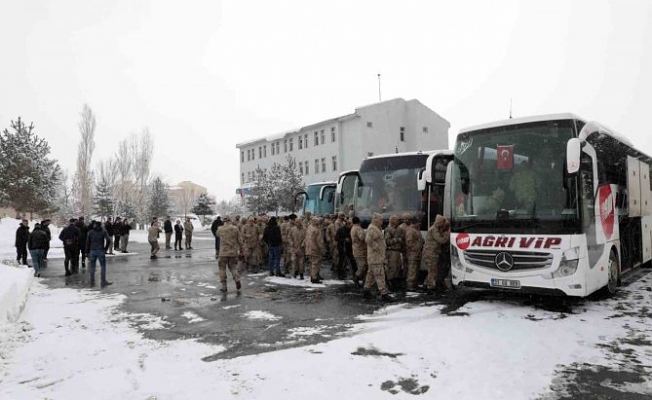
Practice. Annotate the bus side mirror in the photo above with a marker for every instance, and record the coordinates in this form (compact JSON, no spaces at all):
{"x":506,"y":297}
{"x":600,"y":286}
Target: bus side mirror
{"x":573,"y":151}
{"x":421,"y":180}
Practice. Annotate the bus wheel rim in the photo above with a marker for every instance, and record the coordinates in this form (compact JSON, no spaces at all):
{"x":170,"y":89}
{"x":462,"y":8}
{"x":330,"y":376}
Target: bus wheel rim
{"x":613,"y":275}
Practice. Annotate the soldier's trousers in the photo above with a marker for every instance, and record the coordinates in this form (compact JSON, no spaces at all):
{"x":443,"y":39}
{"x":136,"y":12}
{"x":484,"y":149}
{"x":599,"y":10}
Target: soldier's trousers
{"x":232,"y":264}
{"x":315,"y":265}
{"x":393,"y":264}
{"x":335,"y":255}
{"x":362,"y":266}
{"x":376,"y":275}
{"x":298,"y":262}
{"x":287,"y":259}
{"x":412,"y":272}
{"x":432,"y":273}
{"x":188,"y":240}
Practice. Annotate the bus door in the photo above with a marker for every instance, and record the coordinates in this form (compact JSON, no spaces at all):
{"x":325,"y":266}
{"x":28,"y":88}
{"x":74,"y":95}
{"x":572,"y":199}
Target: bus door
{"x":347,"y":189}
{"x":327,"y":199}
{"x":436,"y":185}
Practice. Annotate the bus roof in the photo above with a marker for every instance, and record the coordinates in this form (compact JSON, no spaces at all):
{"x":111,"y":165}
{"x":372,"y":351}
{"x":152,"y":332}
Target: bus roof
{"x":324,"y":183}
{"x":523,"y":120}
{"x":408,"y":153}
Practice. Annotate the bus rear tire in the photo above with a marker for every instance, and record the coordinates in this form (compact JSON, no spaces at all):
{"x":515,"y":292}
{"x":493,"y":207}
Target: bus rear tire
{"x":613,"y":270}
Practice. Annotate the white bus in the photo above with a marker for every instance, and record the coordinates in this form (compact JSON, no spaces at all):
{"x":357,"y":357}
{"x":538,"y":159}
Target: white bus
{"x":395,"y":184}
{"x":318,"y":198}
{"x":549,"y":204}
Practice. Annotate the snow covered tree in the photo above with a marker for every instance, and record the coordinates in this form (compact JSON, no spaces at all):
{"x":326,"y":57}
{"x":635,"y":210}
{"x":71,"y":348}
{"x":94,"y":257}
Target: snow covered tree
{"x":203,"y":207}
{"x":83,"y":180}
{"x":159,"y":199}
{"x":64,"y":201}
{"x":262,"y":199}
{"x":231,"y":207}
{"x":290,"y":183}
{"x":103,"y":199}
{"x":28,"y":177}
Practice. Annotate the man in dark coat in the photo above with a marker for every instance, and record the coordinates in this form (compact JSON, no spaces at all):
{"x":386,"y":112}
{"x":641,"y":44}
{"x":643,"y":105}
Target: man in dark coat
{"x":96,"y":244}
{"x":216,"y":224}
{"x":70,"y":238}
{"x":45,"y":226}
{"x":272,"y":236}
{"x":22,"y":233}
{"x":83,"y":234}
{"x":167,"y":228}
{"x":109,"y":227}
{"x":117,"y":232}
{"x":37,"y":242}
{"x":345,"y":250}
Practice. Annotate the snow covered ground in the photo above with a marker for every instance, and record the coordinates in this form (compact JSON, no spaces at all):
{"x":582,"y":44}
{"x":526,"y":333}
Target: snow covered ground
{"x":77,"y":343}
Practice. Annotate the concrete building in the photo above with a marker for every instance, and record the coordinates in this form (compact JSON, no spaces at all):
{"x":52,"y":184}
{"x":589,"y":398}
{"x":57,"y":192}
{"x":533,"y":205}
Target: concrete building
{"x":183,"y":196}
{"x":324,"y":149}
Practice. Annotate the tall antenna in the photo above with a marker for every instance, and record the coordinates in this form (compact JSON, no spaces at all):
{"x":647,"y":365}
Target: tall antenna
{"x":379,"y":97}
{"x":510,"y":108}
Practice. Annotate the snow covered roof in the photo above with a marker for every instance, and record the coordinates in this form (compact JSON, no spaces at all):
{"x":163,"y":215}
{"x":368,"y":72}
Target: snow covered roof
{"x":409,"y":153}
{"x":523,"y":120}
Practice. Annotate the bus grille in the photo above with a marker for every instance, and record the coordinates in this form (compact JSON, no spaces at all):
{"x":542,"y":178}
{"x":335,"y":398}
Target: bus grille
{"x":523,"y":260}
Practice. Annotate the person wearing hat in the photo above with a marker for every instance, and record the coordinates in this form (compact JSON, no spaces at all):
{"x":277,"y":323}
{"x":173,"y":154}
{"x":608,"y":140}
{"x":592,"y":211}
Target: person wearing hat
{"x":231,"y":246}
{"x":376,"y":258}
{"x":69,"y":236}
{"x":315,"y":248}
{"x":22,"y":234}
{"x":188,"y":228}
{"x":45,"y":226}
{"x":117,"y":234}
{"x":97,"y":242}
{"x":83,"y":235}
{"x":178,"y":233}
{"x":413,"y":249}
{"x":395,"y":240}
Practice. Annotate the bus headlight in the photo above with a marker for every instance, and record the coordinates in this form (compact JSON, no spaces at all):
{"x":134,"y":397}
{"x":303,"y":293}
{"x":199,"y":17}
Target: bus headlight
{"x":566,"y":268}
{"x":455,"y":259}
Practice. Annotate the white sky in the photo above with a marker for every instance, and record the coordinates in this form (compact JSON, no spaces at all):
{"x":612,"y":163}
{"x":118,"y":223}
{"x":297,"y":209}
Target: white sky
{"x":205,"y":75}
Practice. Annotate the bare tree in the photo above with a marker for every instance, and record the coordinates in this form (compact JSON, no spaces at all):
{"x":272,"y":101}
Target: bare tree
{"x":187,"y":199}
{"x":124,"y":164}
{"x":142,"y":153}
{"x":84,"y":174}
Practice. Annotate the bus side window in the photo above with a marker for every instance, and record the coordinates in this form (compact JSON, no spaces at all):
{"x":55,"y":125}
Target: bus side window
{"x":588,"y":191}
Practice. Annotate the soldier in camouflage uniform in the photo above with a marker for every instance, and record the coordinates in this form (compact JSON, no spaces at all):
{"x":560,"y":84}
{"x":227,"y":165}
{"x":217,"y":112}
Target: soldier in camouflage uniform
{"x":405,"y":221}
{"x":437,"y":240}
{"x":413,"y":249}
{"x":297,"y":242}
{"x":230,"y":246}
{"x":359,"y":251}
{"x":325,"y":229}
{"x":314,"y":249}
{"x":286,"y":253}
{"x":395,"y":240}
{"x":251,"y":245}
{"x":376,"y":258}
{"x":306,"y":219}
{"x":263,"y":253}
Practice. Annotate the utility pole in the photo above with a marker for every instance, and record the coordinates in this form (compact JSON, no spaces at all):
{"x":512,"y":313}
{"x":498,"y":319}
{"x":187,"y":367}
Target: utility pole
{"x":510,"y":108}
{"x":379,"y":97}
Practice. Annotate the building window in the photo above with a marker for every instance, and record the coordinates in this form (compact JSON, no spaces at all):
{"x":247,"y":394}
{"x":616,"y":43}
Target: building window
{"x":322,"y":136}
{"x":253,"y":154}
{"x":242,"y":156}
{"x":273,"y":148}
{"x":402,"y":134}
{"x":305,"y":140}
{"x":265,"y":151}
{"x":300,"y":142}
{"x":248,"y":155}
{"x":334,"y":163}
{"x":425,"y":129}
{"x":290,"y":144}
{"x":332,"y":134}
{"x":316,"y":165}
{"x":278,"y":147}
{"x":323,"y":165}
{"x":307,"y":171}
{"x":301,"y":168}
{"x":285,"y":146}
{"x":242,"y":178}
{"x":370,"y":124}
{"x":316,"y":138}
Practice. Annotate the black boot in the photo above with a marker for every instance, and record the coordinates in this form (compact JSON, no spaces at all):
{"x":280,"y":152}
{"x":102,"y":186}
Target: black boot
{"x":386,"y":298}
{"x":68,"y":273}
{"x":238,"y":285}
{"x":300,"y":276}
{"x":366,"y":294}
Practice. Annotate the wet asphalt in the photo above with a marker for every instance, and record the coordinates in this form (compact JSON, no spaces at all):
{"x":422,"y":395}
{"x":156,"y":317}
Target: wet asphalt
{"x":181,"y":289}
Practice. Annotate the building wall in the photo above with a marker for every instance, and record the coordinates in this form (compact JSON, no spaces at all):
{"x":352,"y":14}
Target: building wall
{"x":372,"y":130}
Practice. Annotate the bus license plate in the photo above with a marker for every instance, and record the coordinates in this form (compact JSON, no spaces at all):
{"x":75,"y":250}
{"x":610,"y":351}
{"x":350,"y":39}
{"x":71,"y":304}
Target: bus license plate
{"x":506,"y":283}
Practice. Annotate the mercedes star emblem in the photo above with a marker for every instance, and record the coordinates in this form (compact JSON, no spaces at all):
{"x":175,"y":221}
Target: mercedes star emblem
{"x":504,"y":261}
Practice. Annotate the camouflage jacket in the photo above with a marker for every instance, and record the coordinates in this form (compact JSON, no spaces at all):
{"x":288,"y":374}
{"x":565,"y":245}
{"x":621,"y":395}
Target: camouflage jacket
{"x":375,"y":245}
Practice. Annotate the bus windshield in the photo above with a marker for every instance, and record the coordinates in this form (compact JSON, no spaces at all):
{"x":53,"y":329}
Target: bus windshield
{"x":388,"y":186}
{"x":314,"y":204}
{"x":512,"y":179}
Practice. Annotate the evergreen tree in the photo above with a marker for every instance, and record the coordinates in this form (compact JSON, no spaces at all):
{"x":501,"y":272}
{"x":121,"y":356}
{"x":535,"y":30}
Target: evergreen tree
{"x":103,"y":199}
{"x":159,"y":199}
{"x":203,"y":207}
{"x":28,"y":177}
{"x":291,"y":182}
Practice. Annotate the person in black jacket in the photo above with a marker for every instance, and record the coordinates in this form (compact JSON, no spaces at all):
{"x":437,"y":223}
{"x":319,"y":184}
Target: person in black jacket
{"x":37,"y":242}
{"x":70,"y":238}
{"x":216,"y":224}
{"x":117,"y":232}
{"x":83,"y":234}
{"x":345,"y":250}
{"x":167,"y":228}
{"x":22,"y":234}
{"x":97,"y":243}
{"x":124,"y":235}
{"x":45,"y":226}
{"x":178,"y":232}
{"x":272,"y":236}
{"x":109,"y":228}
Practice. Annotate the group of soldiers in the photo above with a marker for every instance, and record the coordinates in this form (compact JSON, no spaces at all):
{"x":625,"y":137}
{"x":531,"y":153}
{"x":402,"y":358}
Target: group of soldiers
{"x":388,"y":260}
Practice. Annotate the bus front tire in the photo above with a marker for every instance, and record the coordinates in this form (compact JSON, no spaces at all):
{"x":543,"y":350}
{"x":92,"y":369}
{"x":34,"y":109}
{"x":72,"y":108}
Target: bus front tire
{"x":613,"y":271}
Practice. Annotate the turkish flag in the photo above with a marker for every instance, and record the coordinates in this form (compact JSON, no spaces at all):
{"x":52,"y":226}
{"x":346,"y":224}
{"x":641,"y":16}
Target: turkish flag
{"x":505,"y":157}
